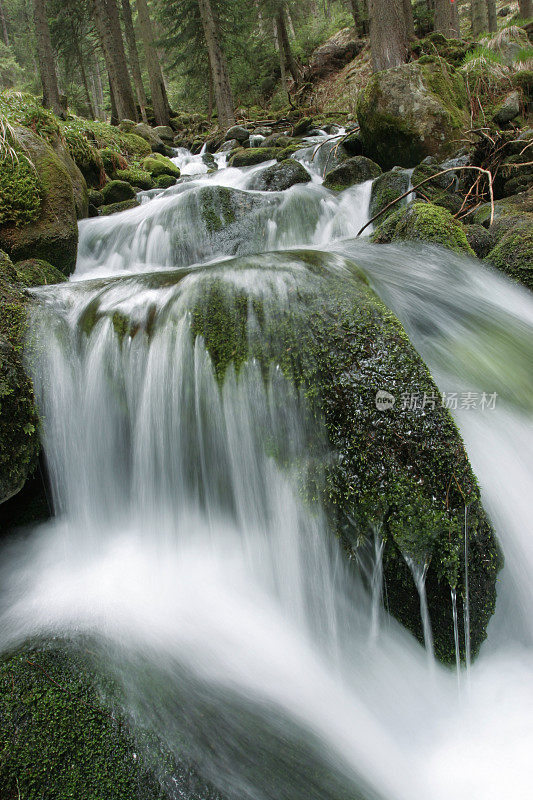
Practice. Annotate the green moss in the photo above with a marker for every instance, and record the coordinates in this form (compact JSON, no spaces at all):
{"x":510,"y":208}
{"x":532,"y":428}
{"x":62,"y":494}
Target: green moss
{"x":136,"y":177}
{"x":403,"y":472}
{"x":352,"y":171}
{"x":439,"y":191}
{"x":385,"y":189}
{"x":112,"y":161}
{"x":424,"y":222}
{"x":160,"y":166}
{"x":87,"y":158}
{"x":513,"y":254}
{"x":20,"y":191}
{"x":35,"y":272}
{"x":165,"y":181}
{"x":117,"y":192}
{"x":247,"y":157}
{"x":116,"y":208}
{"x":217,"y":208}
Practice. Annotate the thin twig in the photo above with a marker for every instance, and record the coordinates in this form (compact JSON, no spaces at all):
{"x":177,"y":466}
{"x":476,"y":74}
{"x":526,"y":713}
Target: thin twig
{"x":426,"y":180}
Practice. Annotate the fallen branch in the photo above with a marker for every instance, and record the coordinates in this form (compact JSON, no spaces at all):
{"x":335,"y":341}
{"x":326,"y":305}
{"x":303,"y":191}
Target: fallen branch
{"x":427,"y":180}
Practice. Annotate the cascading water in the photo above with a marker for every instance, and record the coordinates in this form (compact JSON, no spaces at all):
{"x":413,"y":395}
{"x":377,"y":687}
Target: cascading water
{"x":183,"y":549}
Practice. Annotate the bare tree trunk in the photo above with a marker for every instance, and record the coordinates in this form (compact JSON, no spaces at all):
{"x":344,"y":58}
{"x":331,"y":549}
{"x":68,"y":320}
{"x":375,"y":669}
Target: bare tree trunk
{"x":3,"y":25}
{"x":110,"y":35}
{"x":357,"y":16}
{"x":480,"y":21}
{"x":45,"y":55}
{"x":98,"y":89}
{"x":219,"y":66}
{"x":158,"y":90}
{"x":456,"y":25}
{"x":388,"y":34}
{"x":133,"y":54}
{"x":491,"y":14}
{"x":409,"y":20}
{"x":285,"y":45}
{"x":113,"y":102}
{"x":81,"y":65}
{"x":525,"y":8}
{"x":444,"y":19}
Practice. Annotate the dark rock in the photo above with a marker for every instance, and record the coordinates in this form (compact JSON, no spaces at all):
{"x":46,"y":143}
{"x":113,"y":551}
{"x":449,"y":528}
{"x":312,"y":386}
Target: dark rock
{"x":480,"y":239}
{"x":281,"y":176}
{"x":237,"y":132}
{"x":354,"y":170}
{"x":116,"y":208}
{"x":508,"y":109}
{"x":385,"y":189}
{"x":117,"y":192}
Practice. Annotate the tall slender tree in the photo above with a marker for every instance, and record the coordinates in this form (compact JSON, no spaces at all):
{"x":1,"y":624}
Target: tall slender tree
{"x":445,"y":21}
{"x":388,"y":34}
{"x":284,"y":43}
{"x":491,"y":16}
{"x":218,"y":64}
{"x":3,"y":24}
{"x":409,"y":19}
{"x":110,"y":35}
{"x":45,"y":56}
{"x":525,"y":8}
{"x":157,"y":84}
{"x":133,"y":55}
{"x":480,"y":23}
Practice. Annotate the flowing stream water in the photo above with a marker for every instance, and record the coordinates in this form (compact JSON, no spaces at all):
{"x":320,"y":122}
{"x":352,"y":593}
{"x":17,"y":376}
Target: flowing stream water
{"x":183,"y":550}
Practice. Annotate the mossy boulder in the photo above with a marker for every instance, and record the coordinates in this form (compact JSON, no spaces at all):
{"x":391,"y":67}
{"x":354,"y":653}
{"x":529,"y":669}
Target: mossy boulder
{"x":154,"y":141}
{"x":34,"y":272}
{"x":352,"y":171}
{"x":112,"y":161}
{"x":386,"y":188}
{"x":513,"y":254}
{"x":42,"y":221}
{"x":117,"y":192}
{"x":402,"y":471}
{"x":136,"y":177}
{"x":165,"y":181}
{"x":87,"y":158}
{"x":480,"y":240}
{"x":160,"y":166}
{"x":79,"y":184}
{"x":115,"y":208}
{"x":410,"y":112}
{"x":248,"y":157}
{"x":438,"y":190}
{"x":96,"y":199}
{"x":19,"y":441}
{"x":281,"y":176}
{"x":424,"y":222}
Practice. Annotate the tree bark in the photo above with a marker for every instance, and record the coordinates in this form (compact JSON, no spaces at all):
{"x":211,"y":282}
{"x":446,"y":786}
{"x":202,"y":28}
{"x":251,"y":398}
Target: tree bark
{"x":388,"y":34}
{"x":110,"y":35}
{"x":480,"y":21}
{"x":285,"y":45}
{"x":444,"y":18}
{"x":357,"y":16}
{"x":45,"y":55}
{"x":219,"y":66}
{"x":409,"y":19}
{"x":525,"y":8}
{"x":491,"y":15}
{"x":157,"y":84}
{"x":81,"y":64}
{"x":133,"y":54}
{"x":3,"y":25}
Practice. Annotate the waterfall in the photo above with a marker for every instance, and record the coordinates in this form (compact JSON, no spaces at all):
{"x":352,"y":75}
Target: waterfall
{"x":186,"y":553}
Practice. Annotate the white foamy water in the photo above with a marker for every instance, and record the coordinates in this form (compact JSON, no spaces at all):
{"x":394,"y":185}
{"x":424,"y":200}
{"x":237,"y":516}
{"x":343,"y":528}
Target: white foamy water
{"x":186,"y":552}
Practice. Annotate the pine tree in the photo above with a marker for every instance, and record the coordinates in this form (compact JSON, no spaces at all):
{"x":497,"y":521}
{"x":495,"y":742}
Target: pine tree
{"x":409,"y":19}
{"x":157,"y":84}
{"x":445,"y":18}
{"x":45,"y":57}
{"x":388,"y":34}
{"x":480,"y":21}
{"x":133,"y":55}
{"x":218,"y":64}
{"x":110,"y":35}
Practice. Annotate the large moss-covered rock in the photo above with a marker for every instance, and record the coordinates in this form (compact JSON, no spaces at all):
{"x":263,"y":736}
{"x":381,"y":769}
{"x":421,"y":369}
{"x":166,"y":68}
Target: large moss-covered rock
{"x":87,"y":158}
{"x":352,"y":171}
{"x":44,"y":223}
{"x":117,"y":192}
{"x":281,"y":176}
{"x":19,"y":442}
{"x":60,"y":737}
{"x":116,"y":208}
{"x":160,"y":166}
{"x":385,"y":189}
{"x":247,"y":157}
{"x":400,"y":469}
{"x":34,"y":272}
{"x":136,"y":177}
{"x":513,"y":254}
{"x":424,"y":222}
{"x":439,"y":190}
{"x":410,"y":112}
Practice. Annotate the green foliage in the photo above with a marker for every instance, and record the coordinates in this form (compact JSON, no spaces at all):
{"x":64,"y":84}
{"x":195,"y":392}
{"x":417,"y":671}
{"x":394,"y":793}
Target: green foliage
{"x":20,"y":191}
{"x":10,"y":72}
{"x":112,"y":161}
{"x":424,"y":222}
{"x":136,"y":177}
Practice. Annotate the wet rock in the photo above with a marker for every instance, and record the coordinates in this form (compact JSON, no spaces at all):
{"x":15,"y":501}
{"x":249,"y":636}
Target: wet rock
{"x":281,"y":176}
{"x":441,"y":190}
{"x":302,"y":126}
{"x":227,"y":147}
{"x":160,"y":166}
{"x":149,"y":135}
{"x":165,"y":181}
{"x":117,"y":192}
{"x":480,"y":240}
{"x":254,"y":155}
{"x":237,"y":132}
{"x":116,"y":208}
{"x":385,"y":189}
{"x":508,"y":110}
{"x":412,"y":111}
{"x":165,"y":133}
{"x":350,"y":172}
{"x":424,"y":222}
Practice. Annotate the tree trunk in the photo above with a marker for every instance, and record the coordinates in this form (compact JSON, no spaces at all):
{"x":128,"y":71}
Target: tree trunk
{"x":285,"y":45}
{"x":133,"y":54}
{"x":409,"y":20}
{"x":45,"y":55}
{"x":456,"y":25}
{"x":3,"y":25}
{"x":388,"y":35}
{"x":219,"y":66}
{"x":444,"y":19}
{"x":525,"y":8}
{"x":357,"y":16}
{"x":157,"y":84}
{"x":480,"y":21}
{"x":113,"y":102}
{"x":110,"y":35}
{"x":491,"y":15}
{"x":83,"y":72}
